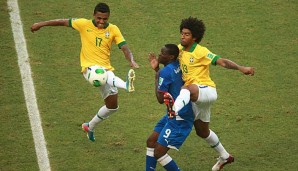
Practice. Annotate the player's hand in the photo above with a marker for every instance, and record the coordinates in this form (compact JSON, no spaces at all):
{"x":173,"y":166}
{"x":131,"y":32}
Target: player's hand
{"x":153,"y":61}
{"x":247,"y":70}
{"x":35,"y":27}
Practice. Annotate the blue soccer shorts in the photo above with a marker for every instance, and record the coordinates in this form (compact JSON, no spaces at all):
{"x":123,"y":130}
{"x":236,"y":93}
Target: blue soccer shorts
{"x":172,"y":132}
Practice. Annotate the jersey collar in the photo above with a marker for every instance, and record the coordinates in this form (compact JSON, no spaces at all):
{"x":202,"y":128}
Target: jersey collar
{"x":192,"y":48}
{"x":94,"y":23}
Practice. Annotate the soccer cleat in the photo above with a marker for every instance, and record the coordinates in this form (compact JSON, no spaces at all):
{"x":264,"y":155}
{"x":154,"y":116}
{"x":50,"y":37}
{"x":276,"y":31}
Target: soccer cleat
{"x":129,"y":80}
{"x":169,"y":101}
{"x":222,"y":162}
{"x":85,"y":127}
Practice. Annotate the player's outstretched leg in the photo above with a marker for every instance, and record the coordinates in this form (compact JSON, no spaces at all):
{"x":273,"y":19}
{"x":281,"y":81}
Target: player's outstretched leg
{"x":129,"y":80}
{"x":222,"y":162}
{"x":90,"y":135}
{"x":169,"y":102}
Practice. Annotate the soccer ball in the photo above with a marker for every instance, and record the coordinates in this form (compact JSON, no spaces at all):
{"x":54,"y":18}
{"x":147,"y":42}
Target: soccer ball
{"x":97,"y":75}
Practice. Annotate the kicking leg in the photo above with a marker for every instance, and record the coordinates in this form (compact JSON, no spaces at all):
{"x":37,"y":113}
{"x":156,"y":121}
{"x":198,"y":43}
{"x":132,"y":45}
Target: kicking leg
{"x":188,"y":93}
{"x":203,"y":131}
{"x":118,"y":82}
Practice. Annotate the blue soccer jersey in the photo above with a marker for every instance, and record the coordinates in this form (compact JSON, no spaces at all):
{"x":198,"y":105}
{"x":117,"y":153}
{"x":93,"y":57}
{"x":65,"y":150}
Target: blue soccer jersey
{"x":173,"y":132}
{"x":170,"y":80}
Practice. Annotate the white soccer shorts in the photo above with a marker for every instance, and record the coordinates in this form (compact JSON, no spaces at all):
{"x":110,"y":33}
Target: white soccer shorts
{"x":105,"y":90}
{"x":202,"y":107}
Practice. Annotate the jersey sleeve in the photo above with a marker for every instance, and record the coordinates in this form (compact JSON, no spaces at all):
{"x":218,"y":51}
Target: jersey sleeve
{"x":210,"y":56}
{"x":164,"y":80}
{"x":119,"y":39}
{"x":77,"y":24}
{"x":213,"y":57}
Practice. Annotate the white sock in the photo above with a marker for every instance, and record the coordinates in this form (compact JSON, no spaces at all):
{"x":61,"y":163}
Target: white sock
{"x":115,"y":81}
{"x":150,"y":152}
{"x":102,"y":114}
{"x":214,"y":142}
{"x":164,"y":160}
{"x":182,"y":100}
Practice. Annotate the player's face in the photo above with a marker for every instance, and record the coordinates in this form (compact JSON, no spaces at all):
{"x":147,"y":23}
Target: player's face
{"x":164,"y":57}
{"x":186,"y":38}
{"x":101,"y":19}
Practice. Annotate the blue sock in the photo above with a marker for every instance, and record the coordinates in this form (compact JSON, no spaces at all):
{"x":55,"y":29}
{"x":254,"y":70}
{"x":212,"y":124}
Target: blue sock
{"x":172,"y":166}
{"x":150,"y":160}
{"x":168,"y":163}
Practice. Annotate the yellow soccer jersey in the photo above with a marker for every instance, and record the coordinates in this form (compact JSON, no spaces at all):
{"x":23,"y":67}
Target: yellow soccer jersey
{"x":96,"y":43}
{"x":195,"y":65}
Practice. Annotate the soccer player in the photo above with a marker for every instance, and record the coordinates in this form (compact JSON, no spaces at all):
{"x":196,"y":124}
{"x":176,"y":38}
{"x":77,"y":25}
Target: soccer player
{"x":171,"y":131}
{"x":97,"y":36}
{"x":195,"y":61}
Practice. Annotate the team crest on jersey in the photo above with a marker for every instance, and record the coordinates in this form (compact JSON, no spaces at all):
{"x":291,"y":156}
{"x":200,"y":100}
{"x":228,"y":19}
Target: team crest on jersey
{"x":191,"y":59}
{"x":107,"y":35}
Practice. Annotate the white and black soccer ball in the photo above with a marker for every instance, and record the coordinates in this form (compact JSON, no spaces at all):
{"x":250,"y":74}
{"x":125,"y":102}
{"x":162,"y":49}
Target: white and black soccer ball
{"x":97,"y":75}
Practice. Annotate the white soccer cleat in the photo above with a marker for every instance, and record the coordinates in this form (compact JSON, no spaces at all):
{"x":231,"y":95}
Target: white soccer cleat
{"x":129,"y":80}
{"x":222,"y":162}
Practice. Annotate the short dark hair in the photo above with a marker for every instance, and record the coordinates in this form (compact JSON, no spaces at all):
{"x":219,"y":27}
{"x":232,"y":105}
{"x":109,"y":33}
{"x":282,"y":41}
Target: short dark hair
{"x":196,"y":27}
{"x":102,"y":7}
{"x":172,"y":49}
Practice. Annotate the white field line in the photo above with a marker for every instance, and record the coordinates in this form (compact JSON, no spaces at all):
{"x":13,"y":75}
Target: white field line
{"x":28,"y":86}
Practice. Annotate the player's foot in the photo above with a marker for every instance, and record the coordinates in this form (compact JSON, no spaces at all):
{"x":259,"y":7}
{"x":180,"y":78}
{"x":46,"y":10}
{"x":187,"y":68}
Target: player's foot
{"x":129,"y":80}
{"x":85,"y":127}
{"x":222,"y":162}
{"x":169,"y":102}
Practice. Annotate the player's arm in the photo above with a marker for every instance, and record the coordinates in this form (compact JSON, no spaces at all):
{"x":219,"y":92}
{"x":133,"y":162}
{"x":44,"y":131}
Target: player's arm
{"x":129,"y":56}
{"x":57,"y":22}
{"x":155,"y":66}
{"x":158,"y":94}
{"x":226,"y":63}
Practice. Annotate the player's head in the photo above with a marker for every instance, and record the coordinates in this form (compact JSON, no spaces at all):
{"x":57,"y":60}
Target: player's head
{"x":191,"y":30}
{"x":101,"y":14}
{"x":168,"y":53}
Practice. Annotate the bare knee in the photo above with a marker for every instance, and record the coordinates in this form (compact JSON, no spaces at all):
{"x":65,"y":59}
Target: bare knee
{"x":112,"y":101}
{"x":202,"y":134}
{"x":152,"y":139}
{"x":151,"y":142}
{"x":202,"y":128}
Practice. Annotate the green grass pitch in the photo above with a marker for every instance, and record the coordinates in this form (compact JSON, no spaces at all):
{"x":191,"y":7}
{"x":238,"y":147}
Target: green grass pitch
{"x":255,"y":117}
